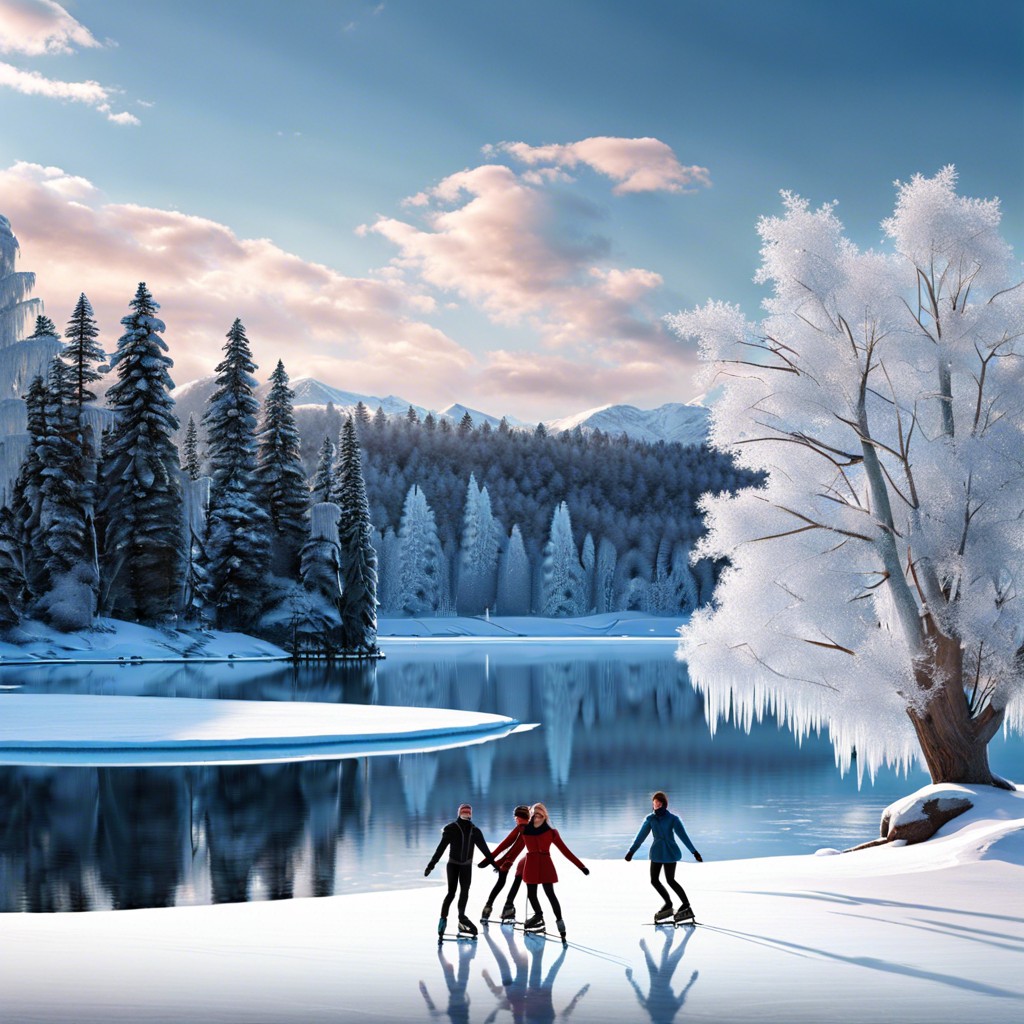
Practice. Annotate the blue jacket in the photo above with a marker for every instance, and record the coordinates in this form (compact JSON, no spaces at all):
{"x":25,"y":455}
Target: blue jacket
{"x":664,"y":849}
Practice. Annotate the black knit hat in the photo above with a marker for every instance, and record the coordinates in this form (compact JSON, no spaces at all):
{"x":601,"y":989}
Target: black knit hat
{"x":522,"y":811}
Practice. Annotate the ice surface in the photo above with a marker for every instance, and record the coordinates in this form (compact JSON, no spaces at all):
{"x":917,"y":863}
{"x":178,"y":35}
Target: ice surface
{"x":919,"y":934}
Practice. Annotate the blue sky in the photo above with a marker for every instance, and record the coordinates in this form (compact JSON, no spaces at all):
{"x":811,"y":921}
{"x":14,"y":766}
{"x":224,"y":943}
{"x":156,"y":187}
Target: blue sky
{"x":276,"y":147}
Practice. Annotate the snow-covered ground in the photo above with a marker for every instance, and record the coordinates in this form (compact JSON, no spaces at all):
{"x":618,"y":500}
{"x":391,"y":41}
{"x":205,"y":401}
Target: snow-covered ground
{"x":114,"y":640}
{"x":925,"y":933}
{"x":56,"y":729}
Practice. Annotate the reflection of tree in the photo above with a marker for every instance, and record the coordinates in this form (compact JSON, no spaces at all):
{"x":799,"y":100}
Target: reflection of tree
{"x":143,"y":834}
{"x":561,"y":692}
{"x":320,"y":783}
{"x":458,"y":1002}
{"x":234,"y":815}
{"x":527,"y":994}
{"x":661,"y":1003}
{"x":418,"y":773}
{"x":282,"y":829}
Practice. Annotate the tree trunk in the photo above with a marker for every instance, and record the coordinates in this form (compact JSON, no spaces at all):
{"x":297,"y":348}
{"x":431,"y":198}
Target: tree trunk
{"x":954,"y":743}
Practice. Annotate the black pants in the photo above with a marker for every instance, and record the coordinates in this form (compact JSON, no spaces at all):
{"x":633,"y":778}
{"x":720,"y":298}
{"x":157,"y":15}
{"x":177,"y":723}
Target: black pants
{"x":549,"y":891}
{"x":670,"y":877}
{"x":500,"y":884}
{"x":459,"y":877}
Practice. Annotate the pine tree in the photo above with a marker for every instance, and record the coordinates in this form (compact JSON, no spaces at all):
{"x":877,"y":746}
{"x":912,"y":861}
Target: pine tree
{"x":419,"y":557}
{"x":478,"y":554}
{"x":362,"y":416}
{"x":26,"y":500}
{"x":190,"y":450}
{"x":281,"y":482}
{"x":465,"y":427}
{"x":84,"y":356}
{"x":514,"y":577}
{"x":358,"y":559}
{"x":12,"y":577}
{"x":65,"y":539}
{"x":324,"y":475}
{"x":140,"y":502}
{"x":562,"y":581}
{"x":237,"y":526}
{"x":318,"y":621}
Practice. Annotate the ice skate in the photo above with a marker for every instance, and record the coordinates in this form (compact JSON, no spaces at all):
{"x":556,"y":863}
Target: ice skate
{"x":664,"y":915}
{"x":508,"y":913}
{"x":485,"y":914}
{"x":466,"y":927}
{"x":684,"y":915}
{"x":535,"y":923}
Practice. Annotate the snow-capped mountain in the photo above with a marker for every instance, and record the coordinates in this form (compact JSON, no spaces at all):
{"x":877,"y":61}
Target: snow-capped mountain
{"x":684,"y":424}
{"x":674,"y":421}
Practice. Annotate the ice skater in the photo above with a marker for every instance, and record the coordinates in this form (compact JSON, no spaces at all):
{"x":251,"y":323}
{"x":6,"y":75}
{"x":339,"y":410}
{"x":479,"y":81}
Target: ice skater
{"x":508,"y":913}
{"x":665,"y":854}
{"x":459,"y":837}
{"x":538,"y":837}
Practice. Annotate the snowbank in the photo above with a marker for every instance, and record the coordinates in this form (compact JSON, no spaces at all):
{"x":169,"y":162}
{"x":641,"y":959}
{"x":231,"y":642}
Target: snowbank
{"x":916,"y":933}
{"x":57,"y":729}
{"x":113,"y":640}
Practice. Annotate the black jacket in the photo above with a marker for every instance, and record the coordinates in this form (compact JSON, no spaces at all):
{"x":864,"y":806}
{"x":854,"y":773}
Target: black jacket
{"x":460,"y":836}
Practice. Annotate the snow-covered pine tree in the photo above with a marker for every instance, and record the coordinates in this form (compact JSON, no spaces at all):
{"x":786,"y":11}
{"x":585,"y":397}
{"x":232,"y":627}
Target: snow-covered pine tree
{"x":465,"y":427}
{"x":140,"y":493}
{"x":514,"y":577}
{"x":26,"y":498}
{"x":12,"y":577}
{"x":318,"y":623}
{"x":604,"y":576}
{"x":588,"y":558}
{"x":362,"y":416}
{"x":876,"y":584}
{"x":237,"y":545}
{"x":190,"y":450}
{"x":281,"y":482}
{"x":562,"y":581}
{"x":358,"y":559}
{"x":478,"y":552}
{"x":419,"y":557}
{"x":83,"y":354}
{"x":324,"y":475}
{"x":65,"y":533}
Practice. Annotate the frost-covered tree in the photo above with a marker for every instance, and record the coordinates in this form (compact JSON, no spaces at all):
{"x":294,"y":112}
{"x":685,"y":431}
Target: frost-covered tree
{"x":237,"y":525}
{"x":12,"y":576}
{"x":324,"y":474}
{"x":876,"y":578}
{"x":514,"y":577}
{"x":190,"y":450}
{"x":604,"y":576}
{"x":562,"y":579}
{"x":280,"y":480}
{"x":419,"y":557}
{"x":83,"y":354}
{"x":478,"y":552}
{"x":358,"y":559}
{"x":140,"y":492}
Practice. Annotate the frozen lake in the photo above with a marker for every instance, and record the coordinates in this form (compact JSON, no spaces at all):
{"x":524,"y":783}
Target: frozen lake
{"x":617,"y":720}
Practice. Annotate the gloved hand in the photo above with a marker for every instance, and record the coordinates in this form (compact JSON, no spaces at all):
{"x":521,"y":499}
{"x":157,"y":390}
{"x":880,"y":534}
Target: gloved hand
{"x":586,"y":871}
{"x":698,"y":858}
{"x":427,"y":870}
{"x":629,"y":856}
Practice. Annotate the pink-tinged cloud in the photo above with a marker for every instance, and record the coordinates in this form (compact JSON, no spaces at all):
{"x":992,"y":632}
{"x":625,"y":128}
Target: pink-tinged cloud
{"x":31,"y":83}
{"x":37,"y":27}
{"x":362,"y":334}
{"x":526,"y":253}
{"x":638,"y":165}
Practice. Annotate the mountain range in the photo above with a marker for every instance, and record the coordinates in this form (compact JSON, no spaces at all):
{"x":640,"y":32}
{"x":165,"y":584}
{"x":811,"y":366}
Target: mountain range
{"x":682,"y":423}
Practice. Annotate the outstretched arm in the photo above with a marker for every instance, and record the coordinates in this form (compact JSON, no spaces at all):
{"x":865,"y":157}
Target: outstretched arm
{"x":645,"y":831}
{"x":499,"y":849}
{"x":510,"y":857}
{"x":481,"y":845}
{"x":677,"y":825}
{"x":445,"y":840}
{"x":557,"y":840}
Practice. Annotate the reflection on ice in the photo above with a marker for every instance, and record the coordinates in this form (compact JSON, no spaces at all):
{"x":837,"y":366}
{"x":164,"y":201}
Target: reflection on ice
{"x":661,"y":1002}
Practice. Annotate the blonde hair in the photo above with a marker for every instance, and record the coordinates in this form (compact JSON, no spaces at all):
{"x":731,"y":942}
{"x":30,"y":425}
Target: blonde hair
{"x":539,"y":807}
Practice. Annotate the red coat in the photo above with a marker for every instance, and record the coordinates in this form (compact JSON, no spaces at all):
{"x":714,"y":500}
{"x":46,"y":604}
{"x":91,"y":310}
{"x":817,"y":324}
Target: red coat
{"x":511,"y":840}
{"x":539,"y":866}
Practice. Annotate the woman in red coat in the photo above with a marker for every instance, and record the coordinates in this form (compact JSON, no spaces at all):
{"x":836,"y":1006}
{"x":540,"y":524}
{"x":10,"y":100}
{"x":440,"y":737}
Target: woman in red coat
{"x":538,"y":837}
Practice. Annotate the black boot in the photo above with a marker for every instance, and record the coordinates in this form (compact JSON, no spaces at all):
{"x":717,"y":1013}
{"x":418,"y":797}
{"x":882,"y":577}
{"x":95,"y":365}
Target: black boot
{"x":535,"y":923}
{"x":664,"y":914}
{"x":508,"y":912}
{"x":466,"y":926}
{"x":684,"y":914}
{"x":485,"y":914}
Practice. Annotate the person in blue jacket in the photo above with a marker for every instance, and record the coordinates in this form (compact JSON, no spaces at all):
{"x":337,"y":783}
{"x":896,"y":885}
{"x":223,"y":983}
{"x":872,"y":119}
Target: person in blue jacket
{"x":665,"y":854}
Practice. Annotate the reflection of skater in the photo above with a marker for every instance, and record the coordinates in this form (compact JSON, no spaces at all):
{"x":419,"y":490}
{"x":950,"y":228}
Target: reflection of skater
{"x":522,"y":816}
{"x":528,"y":997}
{"x":458,"y":1001}
{"x":661,"y":1002}
{"x":459,"y":836}
{"x":539,"y":869}
{"x":665,"y":854}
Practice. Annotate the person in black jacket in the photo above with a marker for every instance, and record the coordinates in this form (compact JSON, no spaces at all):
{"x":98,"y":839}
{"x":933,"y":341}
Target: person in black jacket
{"x":459,"y":836}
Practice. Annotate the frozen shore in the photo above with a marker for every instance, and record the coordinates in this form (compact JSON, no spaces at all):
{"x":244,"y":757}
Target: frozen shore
{"x":917,"y":933}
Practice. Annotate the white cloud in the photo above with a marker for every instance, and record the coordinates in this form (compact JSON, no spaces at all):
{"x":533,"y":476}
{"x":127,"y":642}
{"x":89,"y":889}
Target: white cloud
{"x":31,"y":83}
{"x":37,"y":27}
{"x":638,"y":165}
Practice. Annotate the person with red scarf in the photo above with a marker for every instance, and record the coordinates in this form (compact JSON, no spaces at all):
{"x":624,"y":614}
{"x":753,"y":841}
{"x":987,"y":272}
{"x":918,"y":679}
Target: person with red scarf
{"x":538,"y":837}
